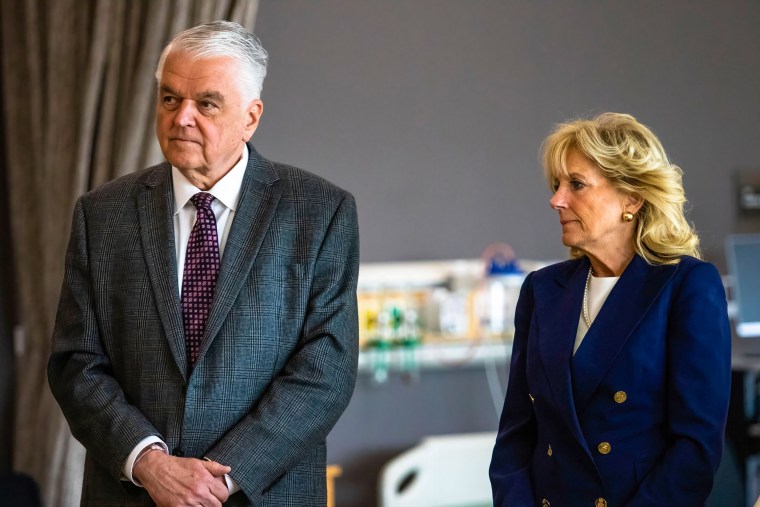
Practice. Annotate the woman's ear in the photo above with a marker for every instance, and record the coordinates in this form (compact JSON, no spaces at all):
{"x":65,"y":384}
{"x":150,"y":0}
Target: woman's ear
{"x":633,"y":203}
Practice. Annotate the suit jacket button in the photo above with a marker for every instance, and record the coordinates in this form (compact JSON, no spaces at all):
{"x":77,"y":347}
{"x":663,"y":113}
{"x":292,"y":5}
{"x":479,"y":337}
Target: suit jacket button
{"x":620,"y":397}
{"x":545,"y":503}
{"x":604,"y":448}
{"x":601,"y":502}
{"x":178,"y":451}
{"x":549,"y":451}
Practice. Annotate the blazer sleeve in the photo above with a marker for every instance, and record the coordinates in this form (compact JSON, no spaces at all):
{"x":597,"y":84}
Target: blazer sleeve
{"x":698,"y":390}
{"x":305,"y":400}
{"x":79,"y":371}
{"x":510,"y":469}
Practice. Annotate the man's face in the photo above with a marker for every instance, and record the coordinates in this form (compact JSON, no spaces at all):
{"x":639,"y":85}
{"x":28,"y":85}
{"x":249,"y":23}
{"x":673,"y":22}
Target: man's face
{"x":202,"y":118}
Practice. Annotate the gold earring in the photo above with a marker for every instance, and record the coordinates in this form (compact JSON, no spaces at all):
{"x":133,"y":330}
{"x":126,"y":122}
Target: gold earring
{"x":627,"y":216}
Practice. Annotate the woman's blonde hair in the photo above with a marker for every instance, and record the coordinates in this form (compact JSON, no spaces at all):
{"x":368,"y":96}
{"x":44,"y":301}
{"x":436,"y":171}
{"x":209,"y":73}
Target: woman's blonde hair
{"x":632,"y":158}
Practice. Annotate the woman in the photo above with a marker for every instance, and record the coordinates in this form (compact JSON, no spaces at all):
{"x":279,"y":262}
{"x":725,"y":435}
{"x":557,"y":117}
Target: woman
{"x":621,"y":364}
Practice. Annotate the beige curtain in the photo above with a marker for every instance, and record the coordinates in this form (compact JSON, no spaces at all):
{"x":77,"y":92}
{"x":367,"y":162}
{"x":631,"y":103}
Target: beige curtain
{"x":78,"y":111}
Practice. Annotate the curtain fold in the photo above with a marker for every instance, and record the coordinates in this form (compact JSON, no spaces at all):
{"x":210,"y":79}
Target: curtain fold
{"x":78,"y":102}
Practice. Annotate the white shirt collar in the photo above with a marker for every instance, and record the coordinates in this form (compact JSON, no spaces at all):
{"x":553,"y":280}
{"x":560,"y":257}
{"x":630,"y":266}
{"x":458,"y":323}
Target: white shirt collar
{"x":226,"y":190}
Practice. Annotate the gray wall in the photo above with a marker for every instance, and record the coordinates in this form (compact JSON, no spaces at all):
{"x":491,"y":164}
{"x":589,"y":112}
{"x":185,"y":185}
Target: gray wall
{"x":432,"y":112}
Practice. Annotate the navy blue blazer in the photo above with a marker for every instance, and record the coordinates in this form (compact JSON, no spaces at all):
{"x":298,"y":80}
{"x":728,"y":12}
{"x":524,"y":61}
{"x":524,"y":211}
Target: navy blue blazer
{"x":637,"y":416}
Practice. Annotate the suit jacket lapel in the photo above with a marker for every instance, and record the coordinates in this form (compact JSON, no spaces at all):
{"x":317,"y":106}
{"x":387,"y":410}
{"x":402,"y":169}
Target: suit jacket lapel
{"x":155,"y":206}
{"x":626,"y":305}
{"x":259,"y":197}
{"x":558,"y":317}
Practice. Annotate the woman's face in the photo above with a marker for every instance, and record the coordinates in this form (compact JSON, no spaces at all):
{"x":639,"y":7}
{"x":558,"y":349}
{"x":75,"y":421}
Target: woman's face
{"x":590,"y":208}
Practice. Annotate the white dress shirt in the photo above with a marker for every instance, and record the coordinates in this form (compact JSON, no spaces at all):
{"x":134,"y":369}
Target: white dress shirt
{"x":226,"y":194}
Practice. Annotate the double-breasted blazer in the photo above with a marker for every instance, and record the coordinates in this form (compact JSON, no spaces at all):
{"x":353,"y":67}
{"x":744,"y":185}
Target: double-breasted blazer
{"x":637,"y":416}
{"x":278,"y":361}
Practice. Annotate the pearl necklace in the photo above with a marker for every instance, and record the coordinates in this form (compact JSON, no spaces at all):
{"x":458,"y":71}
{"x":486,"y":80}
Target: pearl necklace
{"x":585,"y":312}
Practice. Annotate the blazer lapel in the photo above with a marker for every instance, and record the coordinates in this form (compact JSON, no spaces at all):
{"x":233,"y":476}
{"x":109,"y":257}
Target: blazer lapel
{"x":626,"y":305}
{"x":155,"y":205}
{"x":558,"y":323}
{"x":259,"y":197}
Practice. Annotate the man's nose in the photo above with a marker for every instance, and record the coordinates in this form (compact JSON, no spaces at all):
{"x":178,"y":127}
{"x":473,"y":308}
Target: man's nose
{"x":186,"y":112}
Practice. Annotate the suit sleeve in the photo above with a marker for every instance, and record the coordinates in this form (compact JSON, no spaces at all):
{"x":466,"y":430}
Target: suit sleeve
{"x":79,"y":371}
{"x":698,"y":390}
{"x":305,"y":400}
{"x":510,"y":469}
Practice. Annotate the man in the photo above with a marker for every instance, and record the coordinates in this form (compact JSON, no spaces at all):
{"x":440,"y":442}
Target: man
{"x":206,"y":337}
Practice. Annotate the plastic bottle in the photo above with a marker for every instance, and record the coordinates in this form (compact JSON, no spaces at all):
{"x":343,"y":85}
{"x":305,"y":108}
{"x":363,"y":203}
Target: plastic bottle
{"x":499,"y":293}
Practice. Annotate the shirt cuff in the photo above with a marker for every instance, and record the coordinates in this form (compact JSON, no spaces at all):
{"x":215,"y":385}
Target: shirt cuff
{"x":232,"y":484}
{"x":141,"y":446}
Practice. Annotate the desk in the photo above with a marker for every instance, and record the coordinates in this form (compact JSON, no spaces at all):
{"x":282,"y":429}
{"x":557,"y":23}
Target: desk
{"x":332,"y":472}
{"x":743,"y":427}
{"x":745,"y":354}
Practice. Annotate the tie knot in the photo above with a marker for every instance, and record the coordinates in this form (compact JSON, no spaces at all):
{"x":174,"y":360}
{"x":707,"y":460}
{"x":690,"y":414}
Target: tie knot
{"x":202,"y":200}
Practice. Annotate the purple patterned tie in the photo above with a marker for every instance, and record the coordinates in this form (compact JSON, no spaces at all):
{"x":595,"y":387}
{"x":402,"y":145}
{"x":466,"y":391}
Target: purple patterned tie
{"x":199,"y":279}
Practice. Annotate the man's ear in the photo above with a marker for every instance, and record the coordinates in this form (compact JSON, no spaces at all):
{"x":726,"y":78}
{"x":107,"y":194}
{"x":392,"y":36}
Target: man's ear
{"x":252,"y":116}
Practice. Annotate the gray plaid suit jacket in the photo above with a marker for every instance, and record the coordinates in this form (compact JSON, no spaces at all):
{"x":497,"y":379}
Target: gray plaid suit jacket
{"x":278,"y":362}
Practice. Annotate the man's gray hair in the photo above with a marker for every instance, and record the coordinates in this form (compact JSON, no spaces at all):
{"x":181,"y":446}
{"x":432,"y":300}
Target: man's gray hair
{"x":224,"y":38}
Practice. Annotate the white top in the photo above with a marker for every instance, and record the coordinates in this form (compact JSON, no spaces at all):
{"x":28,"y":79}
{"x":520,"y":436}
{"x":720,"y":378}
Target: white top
{"x":598,"y":290}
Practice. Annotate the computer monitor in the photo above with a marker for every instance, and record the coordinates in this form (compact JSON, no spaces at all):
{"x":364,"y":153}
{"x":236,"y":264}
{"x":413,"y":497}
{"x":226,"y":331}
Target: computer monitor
{"x":743,"y":254}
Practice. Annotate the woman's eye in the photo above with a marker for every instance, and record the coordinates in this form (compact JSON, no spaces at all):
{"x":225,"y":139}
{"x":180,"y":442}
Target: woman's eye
{"x":555,"y":185}
{"x":577,"y":185}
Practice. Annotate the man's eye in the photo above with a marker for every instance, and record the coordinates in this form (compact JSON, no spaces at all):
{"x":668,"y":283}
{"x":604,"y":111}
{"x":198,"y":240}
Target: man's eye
{"x":168,"y":100}
{"x":208,"y":105}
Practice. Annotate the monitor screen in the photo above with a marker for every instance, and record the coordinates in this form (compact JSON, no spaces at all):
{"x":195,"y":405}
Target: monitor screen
{"x":743,"y":255}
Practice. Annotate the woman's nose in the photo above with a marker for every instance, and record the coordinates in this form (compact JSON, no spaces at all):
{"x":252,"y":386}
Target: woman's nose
{"x":558,"y":199}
